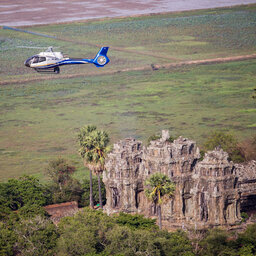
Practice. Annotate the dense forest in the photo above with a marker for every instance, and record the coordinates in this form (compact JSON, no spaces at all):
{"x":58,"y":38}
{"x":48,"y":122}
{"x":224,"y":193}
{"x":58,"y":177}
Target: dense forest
{"x":26,"y":228}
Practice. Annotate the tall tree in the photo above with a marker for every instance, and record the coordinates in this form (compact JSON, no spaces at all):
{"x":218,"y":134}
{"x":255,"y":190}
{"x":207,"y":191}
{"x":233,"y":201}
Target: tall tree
{"x":159,"y":188}
{"x":59,"y":171}
{"x":93,"y":149}
{"x":63,"y":187}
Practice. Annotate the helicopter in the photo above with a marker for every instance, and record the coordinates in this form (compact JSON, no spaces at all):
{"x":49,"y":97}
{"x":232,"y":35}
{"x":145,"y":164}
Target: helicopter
{"x":49,"y":61}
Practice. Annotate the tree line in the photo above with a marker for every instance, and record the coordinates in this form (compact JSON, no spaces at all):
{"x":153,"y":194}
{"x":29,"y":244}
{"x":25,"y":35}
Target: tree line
{"x":91,"y":232}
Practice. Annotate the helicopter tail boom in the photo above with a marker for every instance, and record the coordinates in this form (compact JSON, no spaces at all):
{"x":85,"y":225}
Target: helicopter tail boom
{"x":101,"y":58}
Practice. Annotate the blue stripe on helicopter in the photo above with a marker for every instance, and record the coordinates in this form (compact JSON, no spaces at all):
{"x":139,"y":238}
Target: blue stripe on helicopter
{"x":65,"y":62}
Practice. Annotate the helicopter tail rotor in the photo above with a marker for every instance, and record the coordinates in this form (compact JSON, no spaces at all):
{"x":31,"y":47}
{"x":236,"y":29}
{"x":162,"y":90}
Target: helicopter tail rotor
{"x":101,"y":59}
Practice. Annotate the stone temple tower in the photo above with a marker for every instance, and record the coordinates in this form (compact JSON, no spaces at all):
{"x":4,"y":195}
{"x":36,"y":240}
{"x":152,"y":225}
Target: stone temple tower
{"x":123,"y":177}
{"x":206,"y":194}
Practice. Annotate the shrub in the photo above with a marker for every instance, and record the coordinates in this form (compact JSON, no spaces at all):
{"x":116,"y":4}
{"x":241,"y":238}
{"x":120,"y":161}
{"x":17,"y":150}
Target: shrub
{"x":227,"y":142}
{"x":247,"y":240}
{"x":135,"y":221}
{"x":152,"y":138}
{"x":244,"y":216}
{"x":7,"y":240}
{"x":157,"y":137}
{"x":248,"y":148}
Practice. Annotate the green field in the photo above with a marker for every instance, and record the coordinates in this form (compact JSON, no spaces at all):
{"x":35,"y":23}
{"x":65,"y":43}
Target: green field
{"x":40,"y":120}
{"x":170,"y":37}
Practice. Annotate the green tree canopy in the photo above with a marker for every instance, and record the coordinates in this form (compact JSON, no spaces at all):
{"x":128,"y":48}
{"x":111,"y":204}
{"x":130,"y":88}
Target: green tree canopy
{"x":93,"y":146}
{"x":84,"y":233}
{"x":35,"y":236}
{"x":27,"y":235}
{"x":94,"y":233}
{"x":17,"y":193}
{"x":248,"y":241}
{"x":7,"y":240}
{"x":135,"y":221}
{"x":227,"y":142}
{"x":215,"y":243}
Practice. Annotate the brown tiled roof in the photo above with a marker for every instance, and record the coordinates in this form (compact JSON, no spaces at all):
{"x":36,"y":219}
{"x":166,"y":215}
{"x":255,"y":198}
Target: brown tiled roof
{"x":58,"y":211}
{"x":61,"y":205}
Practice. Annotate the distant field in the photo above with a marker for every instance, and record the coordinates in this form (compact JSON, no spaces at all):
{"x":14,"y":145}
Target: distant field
{"x":179,"y":36}
{"x":39,"y":121}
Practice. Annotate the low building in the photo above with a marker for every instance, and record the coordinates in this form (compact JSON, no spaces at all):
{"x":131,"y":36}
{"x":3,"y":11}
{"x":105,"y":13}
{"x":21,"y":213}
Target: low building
{"x":58,"y":211}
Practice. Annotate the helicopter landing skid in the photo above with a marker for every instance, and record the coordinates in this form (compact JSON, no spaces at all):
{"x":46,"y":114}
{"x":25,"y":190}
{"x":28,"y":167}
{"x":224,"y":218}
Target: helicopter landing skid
{"x":55,"y":70}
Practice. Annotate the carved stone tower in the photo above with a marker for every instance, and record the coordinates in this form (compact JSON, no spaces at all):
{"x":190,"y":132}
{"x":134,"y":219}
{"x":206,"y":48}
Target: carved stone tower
{"x":207,"y":192}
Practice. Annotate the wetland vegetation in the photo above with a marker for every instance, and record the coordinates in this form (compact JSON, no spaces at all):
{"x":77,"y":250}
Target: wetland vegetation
{"x":40,"y":119}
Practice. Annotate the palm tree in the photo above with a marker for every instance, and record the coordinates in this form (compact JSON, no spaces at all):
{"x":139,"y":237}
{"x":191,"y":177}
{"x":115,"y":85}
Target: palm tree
{"x":93,"y":150}
{"x":159,"y":188}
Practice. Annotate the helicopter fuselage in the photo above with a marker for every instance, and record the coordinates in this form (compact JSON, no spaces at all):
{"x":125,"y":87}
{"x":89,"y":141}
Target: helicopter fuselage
{"x":50,"y":61}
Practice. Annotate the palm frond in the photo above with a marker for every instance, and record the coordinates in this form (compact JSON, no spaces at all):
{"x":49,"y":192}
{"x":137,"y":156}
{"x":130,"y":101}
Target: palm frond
{"x":159,"y":187}
{"x":93,"y":147}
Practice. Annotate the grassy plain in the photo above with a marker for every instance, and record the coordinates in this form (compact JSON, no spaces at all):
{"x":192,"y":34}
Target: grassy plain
{"x":170,"y":37}
{"x":39,"y":121}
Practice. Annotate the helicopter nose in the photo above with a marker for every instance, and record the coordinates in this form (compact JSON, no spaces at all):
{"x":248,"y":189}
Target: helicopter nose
{"x":27,"y":63}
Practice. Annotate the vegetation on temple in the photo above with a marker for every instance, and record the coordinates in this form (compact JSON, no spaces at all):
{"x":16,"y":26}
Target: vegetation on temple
{"x":238,"y":151}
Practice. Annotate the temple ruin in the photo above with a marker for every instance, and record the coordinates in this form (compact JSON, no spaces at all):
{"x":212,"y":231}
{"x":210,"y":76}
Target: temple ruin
{"x":209,"y":192}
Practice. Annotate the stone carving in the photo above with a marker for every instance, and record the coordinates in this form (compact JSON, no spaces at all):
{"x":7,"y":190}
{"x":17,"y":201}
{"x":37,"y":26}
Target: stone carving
{"x":208,"y":192}
{"x":246,"y":182}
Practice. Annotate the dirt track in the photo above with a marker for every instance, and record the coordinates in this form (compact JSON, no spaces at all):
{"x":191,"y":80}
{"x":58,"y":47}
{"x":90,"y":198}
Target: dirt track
{"x":152,"y":67}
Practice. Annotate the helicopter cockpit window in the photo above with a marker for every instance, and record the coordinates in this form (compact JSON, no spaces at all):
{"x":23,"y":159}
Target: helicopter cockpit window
{"x":36,"y":59}
{"x":41,"y":59}
{"x":29,"y":61}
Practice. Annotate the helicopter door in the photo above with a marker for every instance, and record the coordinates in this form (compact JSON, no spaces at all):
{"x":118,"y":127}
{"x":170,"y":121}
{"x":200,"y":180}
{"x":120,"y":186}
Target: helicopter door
{"x":38,"y":59}
{"x":42,"y":59}
{"x":35,"y":60}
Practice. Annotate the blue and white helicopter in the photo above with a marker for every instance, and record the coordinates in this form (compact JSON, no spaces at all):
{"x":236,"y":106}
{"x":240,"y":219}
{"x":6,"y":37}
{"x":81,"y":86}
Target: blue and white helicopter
{"x":50,"y":61}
